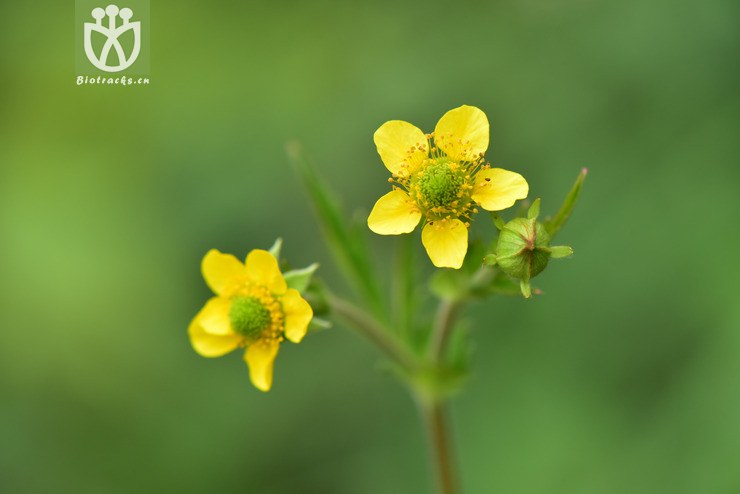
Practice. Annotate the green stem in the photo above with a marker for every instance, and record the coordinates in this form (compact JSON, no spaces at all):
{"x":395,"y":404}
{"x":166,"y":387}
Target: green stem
{"x":447,"y":312}
{"x":433,"y":408}
{"x":435,"y":419}
{"x":443,"y":324}
{"x":372,"y":330}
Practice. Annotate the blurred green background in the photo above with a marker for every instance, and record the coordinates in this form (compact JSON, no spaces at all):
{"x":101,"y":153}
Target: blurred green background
{"x":622,"y":378}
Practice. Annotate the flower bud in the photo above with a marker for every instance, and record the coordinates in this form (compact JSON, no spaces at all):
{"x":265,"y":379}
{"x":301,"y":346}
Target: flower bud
{"x":523,"y":250}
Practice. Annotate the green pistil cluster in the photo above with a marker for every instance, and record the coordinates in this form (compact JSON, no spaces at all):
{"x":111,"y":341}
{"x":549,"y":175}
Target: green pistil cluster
{"x":442,"y":188}
{"x":439,"y":185}
{"x":249,"y":317}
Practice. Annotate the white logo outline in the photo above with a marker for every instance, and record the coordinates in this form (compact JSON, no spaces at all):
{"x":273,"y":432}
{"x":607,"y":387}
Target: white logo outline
{"x":112,"y":33}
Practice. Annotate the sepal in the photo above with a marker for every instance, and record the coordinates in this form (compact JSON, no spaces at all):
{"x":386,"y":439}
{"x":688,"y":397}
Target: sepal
{"x":300,"y":279}
{"x":554,"y":224}
{"x":276,"y":248}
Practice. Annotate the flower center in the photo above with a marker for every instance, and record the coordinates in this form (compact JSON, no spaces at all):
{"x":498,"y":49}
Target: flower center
{"x":442,"y":188}
{"x":439,"y":185}
{"x":249,"y":317}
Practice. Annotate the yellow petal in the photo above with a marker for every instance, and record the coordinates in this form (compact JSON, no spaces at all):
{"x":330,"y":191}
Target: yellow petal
{"x":446,"y":242}
{"x":260,"y":357}
{"x":221,"y":270}
{"x":210,"y":345}
{"x":262,"y":269}
{"x":393,"y":214}
{"x":297,"y":315}
{"x":496,"y":189}
{"x":399,"y":142}
{"x":214,"y":316}
{"x":462,"y":133}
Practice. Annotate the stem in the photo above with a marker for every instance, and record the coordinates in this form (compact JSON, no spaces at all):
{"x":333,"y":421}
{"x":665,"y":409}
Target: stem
{"x":443,"y":324}
{"x":372,"y":330}
{"x":448,"y":309}
{"x":433,"y":409}
{"x":434,"y":417}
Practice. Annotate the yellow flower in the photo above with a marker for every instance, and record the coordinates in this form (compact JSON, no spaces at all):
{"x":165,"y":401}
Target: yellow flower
{"x":253,"y":308}
{"x":442,"y":178}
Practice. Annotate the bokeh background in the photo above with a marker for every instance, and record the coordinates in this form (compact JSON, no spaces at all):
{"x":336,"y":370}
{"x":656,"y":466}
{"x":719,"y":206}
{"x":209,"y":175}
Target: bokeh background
{"x":623,"y":377}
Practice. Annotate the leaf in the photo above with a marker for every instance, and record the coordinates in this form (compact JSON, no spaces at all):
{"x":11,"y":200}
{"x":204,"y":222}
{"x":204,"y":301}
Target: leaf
{"x":300,"y":278}
{"x":347,"y":243}
{"x":554,"y":224}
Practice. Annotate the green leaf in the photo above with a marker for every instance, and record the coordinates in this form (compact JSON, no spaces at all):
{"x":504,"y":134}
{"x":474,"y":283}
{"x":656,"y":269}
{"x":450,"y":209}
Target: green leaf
{"x":300,"y":278}
{"x":276,"y":248}
{"x":346,"y":241}
{"x":534,"y":209}
{"x":554,"y":224}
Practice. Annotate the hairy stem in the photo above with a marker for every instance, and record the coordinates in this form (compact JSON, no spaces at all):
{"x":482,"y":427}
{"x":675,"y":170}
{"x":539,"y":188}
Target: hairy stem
{"x":435,"y":420}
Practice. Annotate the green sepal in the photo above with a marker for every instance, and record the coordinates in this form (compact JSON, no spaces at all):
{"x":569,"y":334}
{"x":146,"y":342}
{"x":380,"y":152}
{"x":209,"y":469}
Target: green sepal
{"x":560,"y":251}
{"x":276,"y":248}
{"x":526,"y":288}
{"x":300,"y":278}
{"x":489,"y":260}
{"x":554,"y":224}
{"x":534,"y":210}
{"x":498,"y":221}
